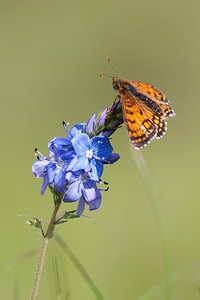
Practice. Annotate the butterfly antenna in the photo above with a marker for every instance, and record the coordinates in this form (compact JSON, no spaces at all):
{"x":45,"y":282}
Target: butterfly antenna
{"x":102,"y":75}
{"x":108,"y":60}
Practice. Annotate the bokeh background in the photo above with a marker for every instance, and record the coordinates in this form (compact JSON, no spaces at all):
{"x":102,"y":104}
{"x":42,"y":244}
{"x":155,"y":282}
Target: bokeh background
{"x":51,"y":55}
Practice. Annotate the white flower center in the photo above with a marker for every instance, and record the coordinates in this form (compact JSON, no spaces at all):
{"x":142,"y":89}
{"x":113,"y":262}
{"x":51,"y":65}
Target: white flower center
{"x":89,"y":153}
{"x":60,"y":163}
{"x":83,"y":177}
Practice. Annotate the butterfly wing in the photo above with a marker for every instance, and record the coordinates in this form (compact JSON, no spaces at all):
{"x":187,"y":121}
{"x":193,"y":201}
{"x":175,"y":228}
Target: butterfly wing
{"x":151,"y":93}
{"x":158,"y":121}
{"x":140,"y":127}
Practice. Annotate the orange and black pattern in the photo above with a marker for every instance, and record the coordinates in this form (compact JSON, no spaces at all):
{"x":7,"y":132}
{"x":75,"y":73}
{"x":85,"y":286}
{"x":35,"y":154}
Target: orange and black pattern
{"x":145,"y":109}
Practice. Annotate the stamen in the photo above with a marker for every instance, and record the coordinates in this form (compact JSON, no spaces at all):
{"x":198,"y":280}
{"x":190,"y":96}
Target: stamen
{"x":64,"y":125}
{"x":104,"y":190}
{"x":39,"y":154}
{"x":103,"y":182}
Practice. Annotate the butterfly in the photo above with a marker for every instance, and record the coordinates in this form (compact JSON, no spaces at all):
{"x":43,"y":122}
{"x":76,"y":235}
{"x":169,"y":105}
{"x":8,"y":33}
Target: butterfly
{"x":144,"y":109}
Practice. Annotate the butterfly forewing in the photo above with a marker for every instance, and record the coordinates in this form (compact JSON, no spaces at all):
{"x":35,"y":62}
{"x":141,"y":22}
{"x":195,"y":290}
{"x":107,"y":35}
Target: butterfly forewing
{"x":141,"y":129}
{"x":156,"y":96}
{"x":150,"y":91}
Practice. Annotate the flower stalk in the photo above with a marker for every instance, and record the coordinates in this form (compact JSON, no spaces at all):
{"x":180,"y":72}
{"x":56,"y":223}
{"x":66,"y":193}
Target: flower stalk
{"x":46,"y":238}
{"x":39,"y":268}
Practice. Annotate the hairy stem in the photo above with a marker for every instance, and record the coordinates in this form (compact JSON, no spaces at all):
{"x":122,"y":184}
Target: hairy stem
{"x":39,"y":268}
{"x":43,"y":250}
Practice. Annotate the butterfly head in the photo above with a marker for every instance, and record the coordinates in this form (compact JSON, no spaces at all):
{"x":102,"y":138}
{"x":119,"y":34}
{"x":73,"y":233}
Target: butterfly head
{"x":116,"y":83}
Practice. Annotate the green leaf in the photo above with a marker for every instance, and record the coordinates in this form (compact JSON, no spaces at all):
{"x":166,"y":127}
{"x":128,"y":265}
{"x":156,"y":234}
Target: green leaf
{"x":66,"y":216}
{"x":35,"y":225}
{"x":70,"y":215}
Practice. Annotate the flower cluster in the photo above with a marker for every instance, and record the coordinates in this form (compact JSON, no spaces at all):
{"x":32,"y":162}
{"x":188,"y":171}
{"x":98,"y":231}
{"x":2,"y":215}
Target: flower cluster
{"x":75,"y":163}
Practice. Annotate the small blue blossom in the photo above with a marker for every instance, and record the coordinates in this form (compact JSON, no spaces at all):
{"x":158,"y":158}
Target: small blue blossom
{"x":91,"y":153}
{"x":57,"y":169}
{"x":55,"y":147}
{"x":82,"y":188}
{"x":54,"y":169}
{"x":75,"y":163}
{"x":65,"y":143}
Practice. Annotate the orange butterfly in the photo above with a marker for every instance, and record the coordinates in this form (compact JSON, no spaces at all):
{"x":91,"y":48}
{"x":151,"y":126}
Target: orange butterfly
{"x":144,"y":108}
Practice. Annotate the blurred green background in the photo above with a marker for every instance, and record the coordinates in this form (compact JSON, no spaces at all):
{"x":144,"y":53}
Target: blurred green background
{"x":51,"y":55}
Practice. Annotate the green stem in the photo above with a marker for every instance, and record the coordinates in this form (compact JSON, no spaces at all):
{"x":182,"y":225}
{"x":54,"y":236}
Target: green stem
{"x":43,"y":250}
{"x":53,"y":218}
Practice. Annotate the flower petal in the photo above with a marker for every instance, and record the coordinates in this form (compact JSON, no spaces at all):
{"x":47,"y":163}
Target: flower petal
{"x":69,"y":160}
{"x":90,"y":191}
{"x":90,"y":124}
{"x":51,"y":169}
{"x":97,"y":169}
{"x":82,"y":162}
{"x":39,"y":167}
{"x":72,"y":163}
{"x":56,"y":145}
{"x":101,"y":147}
{"x":81,"y":143}
{"x":76,"y":129}
{"x":81,"y":207}
{"x":111,"y":159}
{"x":73,"y":176}
{"x":73,"y":192}
{"x":94,"y":204}
{"x":103,"y":117}
{"x":44,"y":184}
{"x":60,"y":180}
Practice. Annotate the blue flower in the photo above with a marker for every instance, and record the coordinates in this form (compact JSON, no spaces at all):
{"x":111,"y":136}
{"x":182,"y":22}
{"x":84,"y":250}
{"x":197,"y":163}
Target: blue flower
{"x":54,"y":170}
{"x":57,"y":169}
{"x":64,"y":144}
{"x":55,"y":147}
{"x":91,"y":153}
{"x":82,"y":188}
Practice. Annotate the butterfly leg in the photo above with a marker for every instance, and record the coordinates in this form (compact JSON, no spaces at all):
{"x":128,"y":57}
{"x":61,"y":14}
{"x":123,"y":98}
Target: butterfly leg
{"x":118,"y":96}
